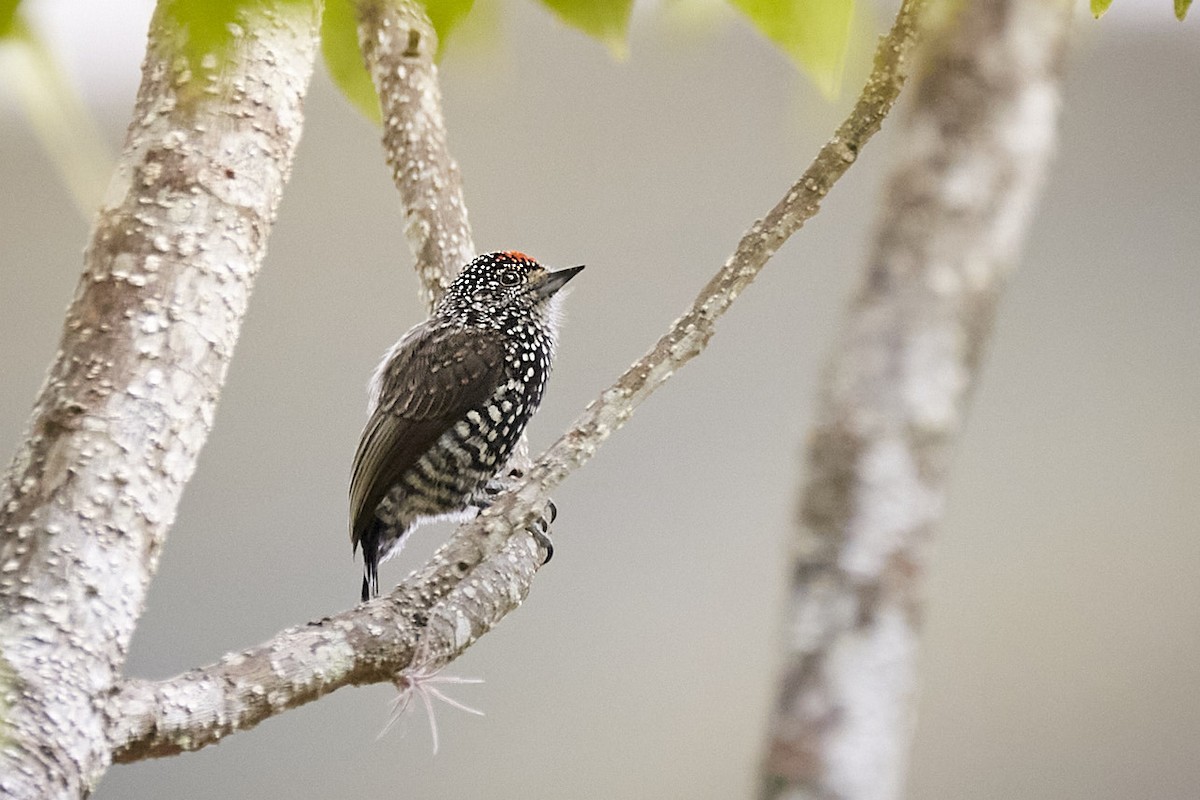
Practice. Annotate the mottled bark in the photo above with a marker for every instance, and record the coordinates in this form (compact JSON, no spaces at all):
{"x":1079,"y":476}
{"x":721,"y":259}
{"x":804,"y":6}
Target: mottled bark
{"x":486,"y":568}
{"x":372,"y":643}
{"x":399,"y":44}
{"x":975,"y":147}
{"x":130,"y":398}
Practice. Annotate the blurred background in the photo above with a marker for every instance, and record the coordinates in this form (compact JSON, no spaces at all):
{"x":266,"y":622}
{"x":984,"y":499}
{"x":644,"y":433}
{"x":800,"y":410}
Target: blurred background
{"x":1061,"y":653}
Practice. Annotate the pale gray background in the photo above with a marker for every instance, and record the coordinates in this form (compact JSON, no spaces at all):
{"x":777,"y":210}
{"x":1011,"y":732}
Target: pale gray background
{"x":1062,"y":651}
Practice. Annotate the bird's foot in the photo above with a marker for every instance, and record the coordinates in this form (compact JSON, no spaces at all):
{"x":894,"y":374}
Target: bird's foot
{"x":540,"y":530}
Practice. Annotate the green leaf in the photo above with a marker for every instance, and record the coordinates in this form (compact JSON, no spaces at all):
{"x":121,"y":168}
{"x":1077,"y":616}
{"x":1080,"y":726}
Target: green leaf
{"x":1181,"y":9}
{"x":343,"y":58}
{"x":339,"y":44}
{"x":203,"y":29}
{"x":606,"y":20}
{"x":8,"y":12}
{"x":57,"y":115}
{"x":1099,"y":7}
{"x":813,"y":33}
{"x":445,"y":16}
{"x":207,"y":31}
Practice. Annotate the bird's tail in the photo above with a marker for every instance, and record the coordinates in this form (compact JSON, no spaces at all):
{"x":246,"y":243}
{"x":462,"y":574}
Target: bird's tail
{"x":370,"y":548}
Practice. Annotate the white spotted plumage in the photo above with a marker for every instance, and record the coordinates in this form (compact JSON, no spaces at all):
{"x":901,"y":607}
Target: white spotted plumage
{"x":450,"y":400}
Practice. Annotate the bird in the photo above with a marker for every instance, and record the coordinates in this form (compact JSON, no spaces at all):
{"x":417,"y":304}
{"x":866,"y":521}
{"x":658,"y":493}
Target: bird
{"x":449,"y":401}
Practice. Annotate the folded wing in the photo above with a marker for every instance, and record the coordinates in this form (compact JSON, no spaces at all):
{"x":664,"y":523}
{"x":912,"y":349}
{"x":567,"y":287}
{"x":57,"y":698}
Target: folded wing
{"x":431,"y":383}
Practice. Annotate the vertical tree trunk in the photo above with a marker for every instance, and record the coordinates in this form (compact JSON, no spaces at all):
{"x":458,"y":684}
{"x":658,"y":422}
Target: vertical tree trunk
{"x":975,"y":147}
{"x":128,"y":403}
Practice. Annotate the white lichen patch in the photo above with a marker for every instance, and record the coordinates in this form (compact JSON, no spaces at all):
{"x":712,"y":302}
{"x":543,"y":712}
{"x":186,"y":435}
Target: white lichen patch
{"x":820,"y":609}
{"x":871,"y":673}
{"x":891,"y":505}
{"x":463,"y":633}
{"x":934,"y":378}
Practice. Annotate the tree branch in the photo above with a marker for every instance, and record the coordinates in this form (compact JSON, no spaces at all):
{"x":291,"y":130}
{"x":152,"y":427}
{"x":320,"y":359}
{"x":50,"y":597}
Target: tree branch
{"x":399,"y":44}
{"x":371,"y":643}
{"x":483,"y":571}
{"x":975,"y":147}
{"x":119,"y":423}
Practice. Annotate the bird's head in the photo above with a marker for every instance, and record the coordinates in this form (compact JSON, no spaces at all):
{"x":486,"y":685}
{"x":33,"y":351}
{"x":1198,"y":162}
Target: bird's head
{"x":506,"y":281}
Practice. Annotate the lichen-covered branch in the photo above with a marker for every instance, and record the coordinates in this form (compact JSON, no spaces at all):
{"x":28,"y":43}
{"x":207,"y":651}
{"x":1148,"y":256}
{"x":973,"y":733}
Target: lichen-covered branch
{"x":371,"y":643}
{"x":974,"y":150}
{"x":399,"y":44}
{"x":128,"y":403}
{"x":487,"y":567}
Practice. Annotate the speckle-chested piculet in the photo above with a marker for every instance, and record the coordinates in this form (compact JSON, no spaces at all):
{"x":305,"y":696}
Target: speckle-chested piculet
{"x":449,"y":401}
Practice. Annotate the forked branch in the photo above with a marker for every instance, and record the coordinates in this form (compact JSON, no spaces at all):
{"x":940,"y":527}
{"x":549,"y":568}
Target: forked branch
{"x":486,"y":568}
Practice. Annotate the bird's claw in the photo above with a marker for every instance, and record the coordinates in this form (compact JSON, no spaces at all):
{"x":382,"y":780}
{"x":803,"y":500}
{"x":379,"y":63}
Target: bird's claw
{"x":539,"y":536}
{"x":541,"y":529}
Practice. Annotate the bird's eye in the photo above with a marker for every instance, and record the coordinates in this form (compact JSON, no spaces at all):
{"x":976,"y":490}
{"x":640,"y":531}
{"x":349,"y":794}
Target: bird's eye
{"x":509,"y":278}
